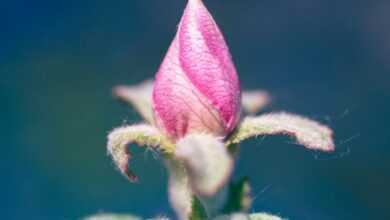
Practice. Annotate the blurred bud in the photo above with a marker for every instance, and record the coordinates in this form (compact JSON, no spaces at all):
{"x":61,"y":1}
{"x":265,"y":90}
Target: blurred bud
{"x":197,"y":87}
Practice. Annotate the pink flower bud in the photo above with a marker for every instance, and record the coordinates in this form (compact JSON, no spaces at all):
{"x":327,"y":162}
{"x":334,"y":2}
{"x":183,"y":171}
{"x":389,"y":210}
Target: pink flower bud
{"x":197,"y":88}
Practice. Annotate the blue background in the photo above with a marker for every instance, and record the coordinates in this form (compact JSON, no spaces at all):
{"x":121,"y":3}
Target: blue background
{"x":59,"y":59}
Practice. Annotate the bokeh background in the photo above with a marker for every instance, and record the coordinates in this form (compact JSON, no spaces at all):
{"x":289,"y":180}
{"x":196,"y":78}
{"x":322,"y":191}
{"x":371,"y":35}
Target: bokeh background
{"x":59,"y":59}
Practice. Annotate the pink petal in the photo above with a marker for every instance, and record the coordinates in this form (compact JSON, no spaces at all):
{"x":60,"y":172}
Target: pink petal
{"x":196,"y":87}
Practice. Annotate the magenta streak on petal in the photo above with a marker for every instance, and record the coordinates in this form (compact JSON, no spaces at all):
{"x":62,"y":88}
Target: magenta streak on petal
{"x":206,"y":60}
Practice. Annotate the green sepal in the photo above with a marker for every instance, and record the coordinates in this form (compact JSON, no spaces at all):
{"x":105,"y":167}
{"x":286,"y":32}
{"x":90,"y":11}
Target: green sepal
{"x":198,"y":210}
{"x":239,"y":199}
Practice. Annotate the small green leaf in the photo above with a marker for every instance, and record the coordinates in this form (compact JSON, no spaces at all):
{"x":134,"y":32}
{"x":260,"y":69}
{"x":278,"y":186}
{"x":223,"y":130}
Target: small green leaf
{"x":198,"y":211}
{"x":239,"y":199}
